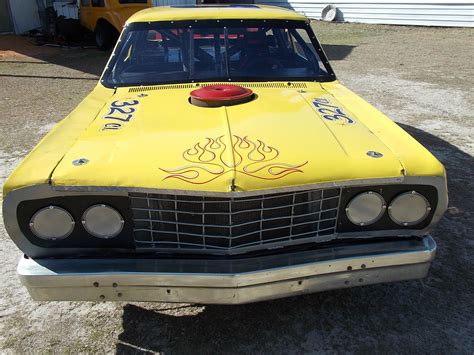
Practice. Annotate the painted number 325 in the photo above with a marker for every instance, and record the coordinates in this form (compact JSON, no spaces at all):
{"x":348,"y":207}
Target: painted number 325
{"x":330,"y":112}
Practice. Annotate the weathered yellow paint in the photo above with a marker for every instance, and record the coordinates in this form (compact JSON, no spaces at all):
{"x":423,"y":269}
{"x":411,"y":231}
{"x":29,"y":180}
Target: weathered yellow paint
{"x":297,"y":147}
{"x":221,"y":12}
{"x":417,"y":160}
{"x":38,"y":165}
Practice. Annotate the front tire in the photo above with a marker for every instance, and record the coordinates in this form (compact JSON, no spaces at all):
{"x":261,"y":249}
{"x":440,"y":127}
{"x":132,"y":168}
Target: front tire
{"x":105,"y":36}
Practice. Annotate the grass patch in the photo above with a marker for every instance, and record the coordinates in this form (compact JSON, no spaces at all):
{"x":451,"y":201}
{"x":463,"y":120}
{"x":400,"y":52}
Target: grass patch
{"x":347,"y":33}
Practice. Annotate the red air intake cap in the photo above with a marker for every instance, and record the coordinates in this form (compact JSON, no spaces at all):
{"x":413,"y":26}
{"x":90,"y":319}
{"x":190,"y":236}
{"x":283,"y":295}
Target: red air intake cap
{"x":220,"y":95}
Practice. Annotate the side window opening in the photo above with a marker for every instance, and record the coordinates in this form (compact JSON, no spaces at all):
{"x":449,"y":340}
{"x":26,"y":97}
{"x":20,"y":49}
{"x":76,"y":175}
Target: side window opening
{"x":304,"y":50}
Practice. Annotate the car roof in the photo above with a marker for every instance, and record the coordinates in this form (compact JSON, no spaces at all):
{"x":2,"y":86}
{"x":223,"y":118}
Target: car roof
{"x":219,"y":12}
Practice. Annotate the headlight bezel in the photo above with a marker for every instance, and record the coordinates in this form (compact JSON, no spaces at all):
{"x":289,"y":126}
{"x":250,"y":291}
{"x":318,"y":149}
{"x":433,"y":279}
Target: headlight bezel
{"x":389,"y":192}
{"x":79,"y":237}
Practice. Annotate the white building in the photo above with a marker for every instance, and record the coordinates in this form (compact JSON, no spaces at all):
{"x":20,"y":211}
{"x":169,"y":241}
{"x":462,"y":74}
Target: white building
{"x":19,"y":16}
{"x":456,"y":13}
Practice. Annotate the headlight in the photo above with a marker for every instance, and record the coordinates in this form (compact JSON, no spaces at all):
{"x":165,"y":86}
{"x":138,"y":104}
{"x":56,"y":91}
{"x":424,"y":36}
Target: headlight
{"x":366,"y":208}
{"x":409,"y":208}
{"x":52,"y":223}
{"x":102,"y":221}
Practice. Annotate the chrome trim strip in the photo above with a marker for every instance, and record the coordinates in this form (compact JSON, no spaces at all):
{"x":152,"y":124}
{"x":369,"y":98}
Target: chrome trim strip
{"x":345,"y":183}
{"x":226,"y":281}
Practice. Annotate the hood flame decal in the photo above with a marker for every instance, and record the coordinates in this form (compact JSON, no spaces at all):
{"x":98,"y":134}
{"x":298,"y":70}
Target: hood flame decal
{"x":208,"y":161}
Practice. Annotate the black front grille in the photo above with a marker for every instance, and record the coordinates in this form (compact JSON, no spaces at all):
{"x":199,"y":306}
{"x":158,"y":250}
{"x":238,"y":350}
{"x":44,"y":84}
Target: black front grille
{"x":223,"y":225}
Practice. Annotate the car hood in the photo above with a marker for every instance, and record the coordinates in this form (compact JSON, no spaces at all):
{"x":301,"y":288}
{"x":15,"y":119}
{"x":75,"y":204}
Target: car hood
{"x":284,"y":137}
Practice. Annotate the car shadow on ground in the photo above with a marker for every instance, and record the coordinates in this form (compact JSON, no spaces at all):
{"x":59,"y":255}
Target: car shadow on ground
{"x":14,"y":49}
{"x":403,"y":317}
{"x":337,"y":51}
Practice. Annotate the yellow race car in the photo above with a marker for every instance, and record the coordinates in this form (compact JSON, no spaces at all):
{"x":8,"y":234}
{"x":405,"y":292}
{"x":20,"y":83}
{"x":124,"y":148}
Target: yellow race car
{"x":218,"y":160}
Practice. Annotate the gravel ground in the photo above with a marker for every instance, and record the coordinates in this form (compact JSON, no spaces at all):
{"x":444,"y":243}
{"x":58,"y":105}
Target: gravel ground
{"x":421,"y":77}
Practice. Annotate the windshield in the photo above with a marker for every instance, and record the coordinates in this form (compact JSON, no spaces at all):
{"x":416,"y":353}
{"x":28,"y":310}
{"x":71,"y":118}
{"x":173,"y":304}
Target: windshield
{"x":167,"y":52}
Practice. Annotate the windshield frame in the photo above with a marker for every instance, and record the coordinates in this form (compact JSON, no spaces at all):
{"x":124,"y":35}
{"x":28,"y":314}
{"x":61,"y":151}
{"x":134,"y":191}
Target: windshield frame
{"x":105,"y":79}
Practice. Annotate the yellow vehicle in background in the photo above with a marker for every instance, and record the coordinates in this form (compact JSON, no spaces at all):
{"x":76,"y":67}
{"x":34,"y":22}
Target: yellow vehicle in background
{"x":107,"y":17}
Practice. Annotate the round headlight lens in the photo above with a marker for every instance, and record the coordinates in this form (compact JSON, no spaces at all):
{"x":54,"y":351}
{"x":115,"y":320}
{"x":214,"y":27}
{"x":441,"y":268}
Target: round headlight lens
{"x":52,"y":223}
{"x":366,"y":208}
{"x":409,"y":208}
{"x":102,"y":221}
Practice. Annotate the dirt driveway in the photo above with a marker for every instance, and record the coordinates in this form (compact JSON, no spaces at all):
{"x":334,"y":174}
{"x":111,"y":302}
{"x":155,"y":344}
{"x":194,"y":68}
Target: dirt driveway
{"x":423,"y":78}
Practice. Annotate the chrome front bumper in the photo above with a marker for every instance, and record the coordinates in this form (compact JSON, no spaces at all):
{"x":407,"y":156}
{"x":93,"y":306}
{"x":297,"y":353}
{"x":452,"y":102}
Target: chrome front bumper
{"x":227,"y":281}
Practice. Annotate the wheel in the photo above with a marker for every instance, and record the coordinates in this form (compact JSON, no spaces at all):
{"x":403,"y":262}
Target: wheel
{"x":105,"y":36}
